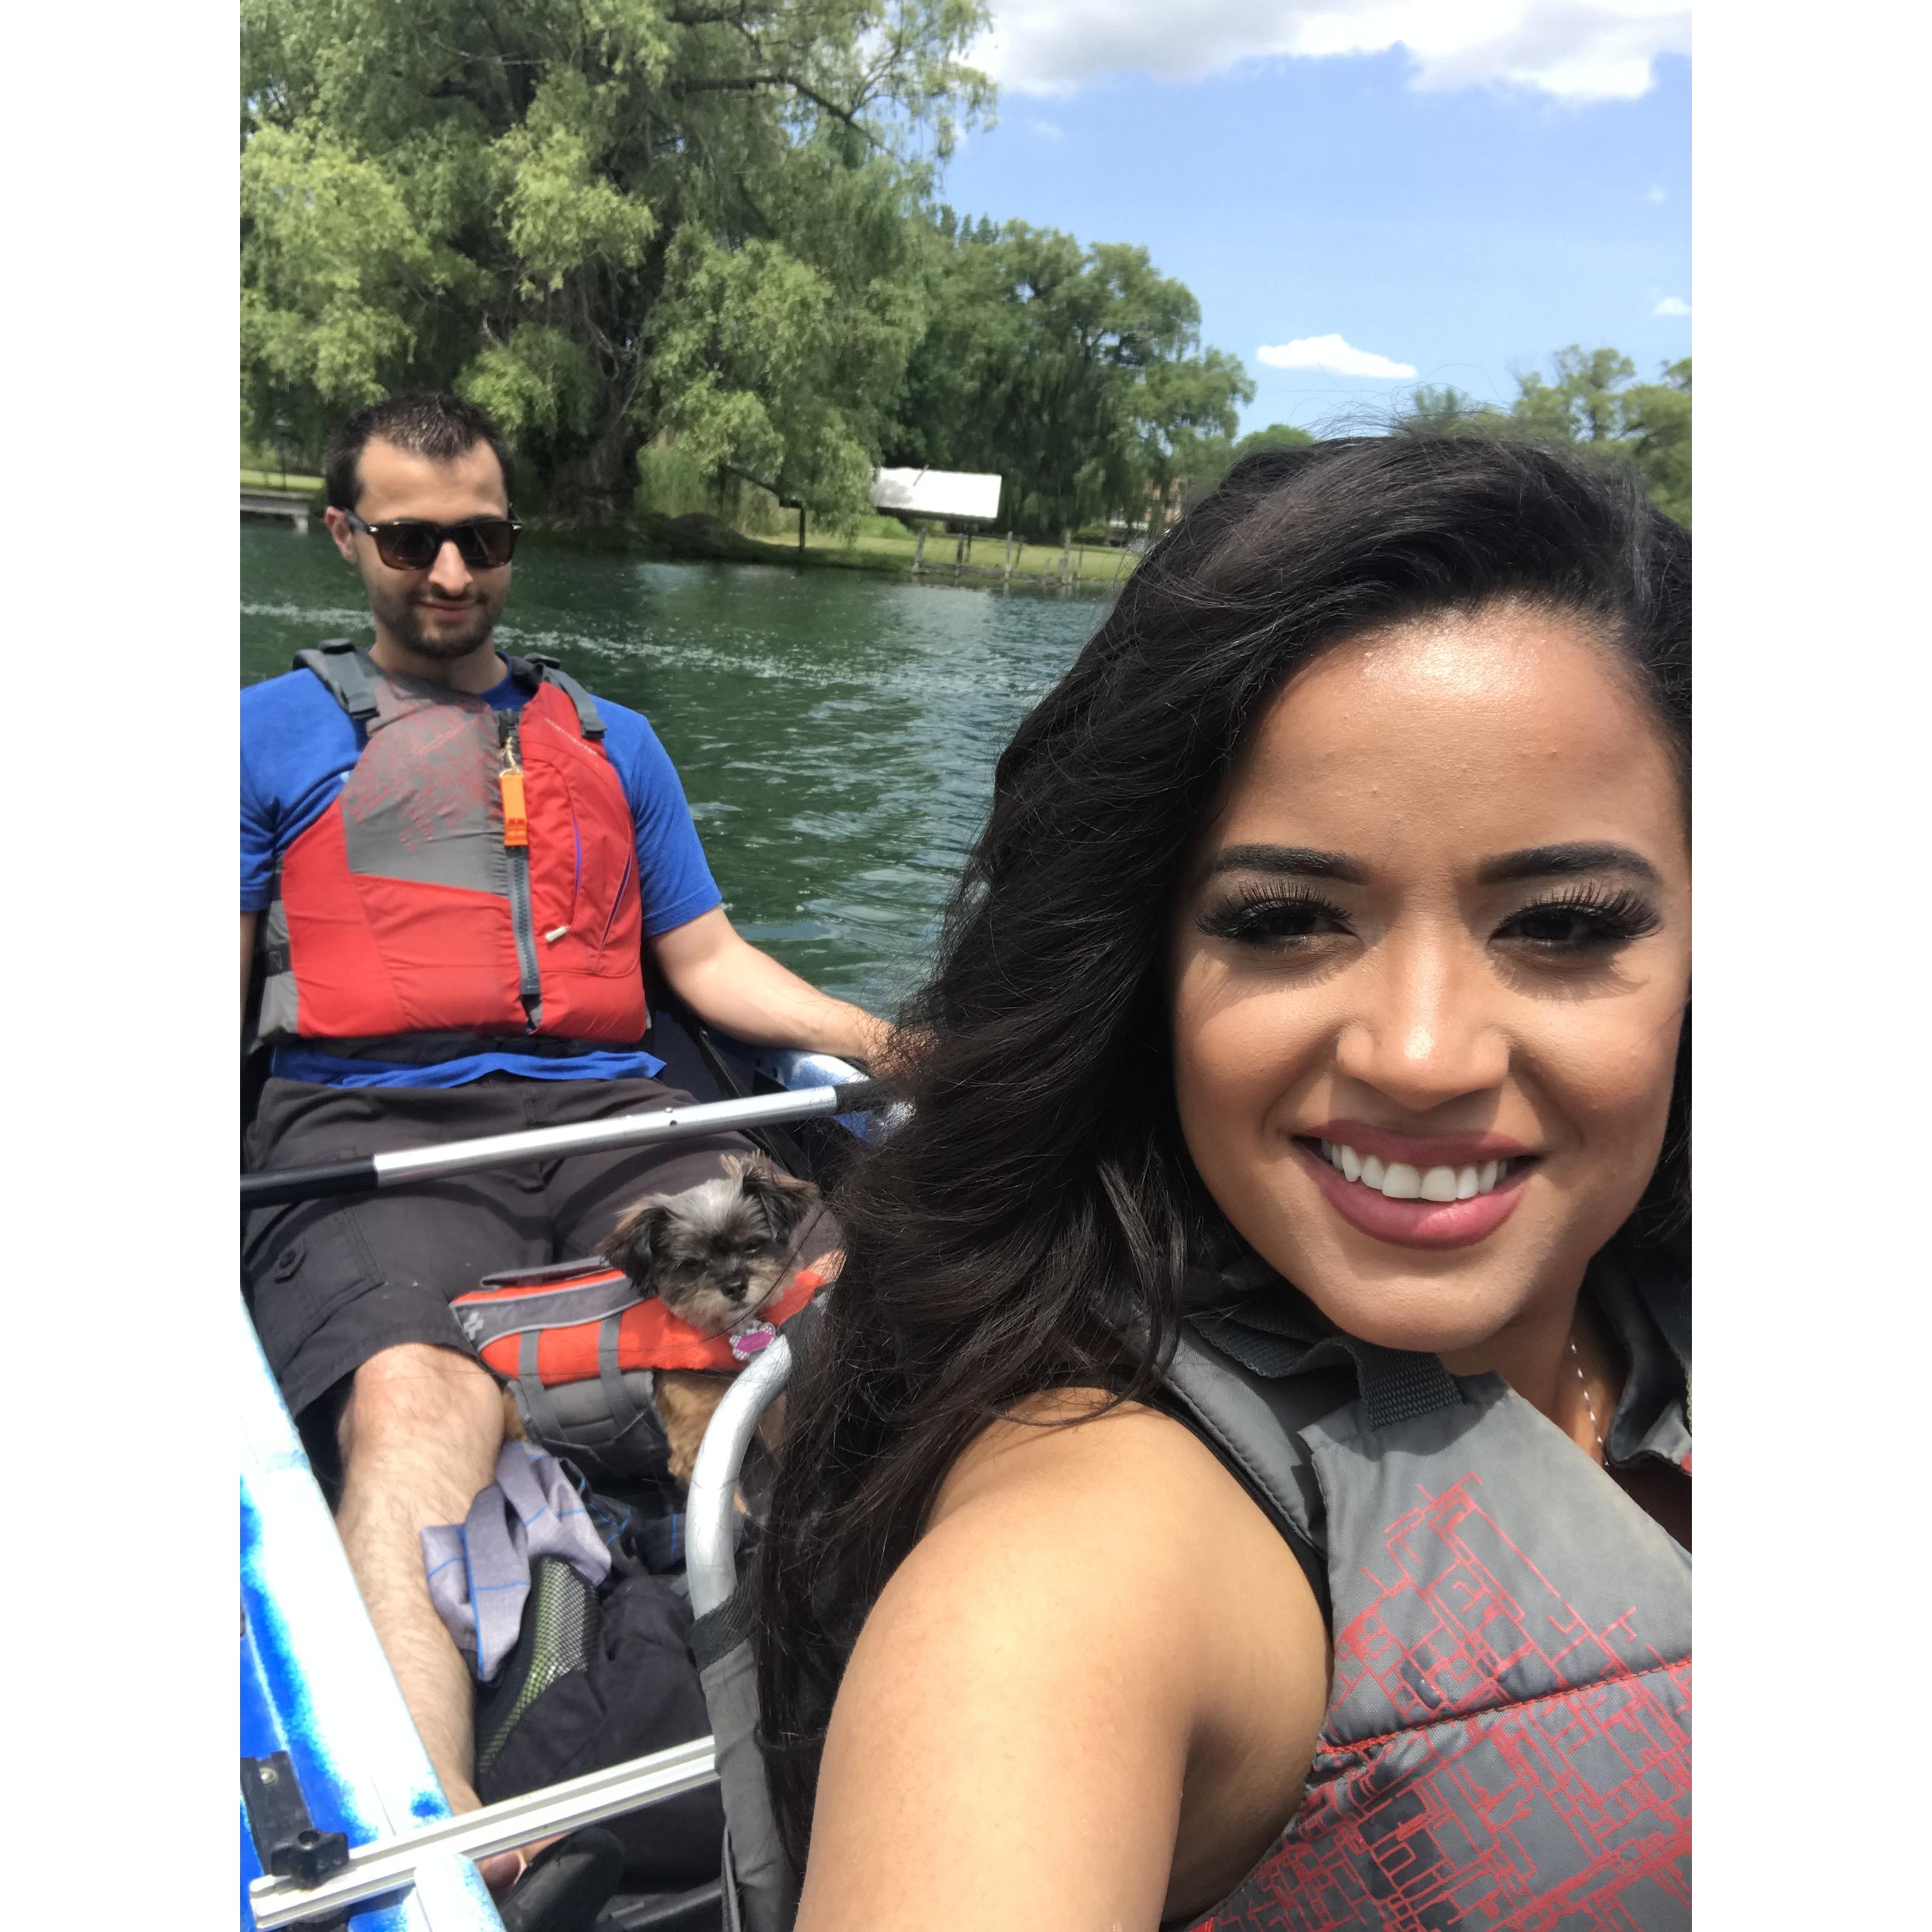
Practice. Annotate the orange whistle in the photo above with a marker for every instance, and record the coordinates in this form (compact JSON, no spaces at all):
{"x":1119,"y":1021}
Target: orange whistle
{"x":516,"y":826}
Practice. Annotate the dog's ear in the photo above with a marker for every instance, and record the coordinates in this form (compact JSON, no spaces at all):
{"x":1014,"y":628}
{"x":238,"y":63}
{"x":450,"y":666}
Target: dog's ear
{"x":784,"y":1199}
{"x":633,"y":1243}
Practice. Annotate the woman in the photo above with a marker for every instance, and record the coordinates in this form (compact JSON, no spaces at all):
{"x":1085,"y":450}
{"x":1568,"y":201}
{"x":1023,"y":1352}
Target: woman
{"x":1243,"y":1479}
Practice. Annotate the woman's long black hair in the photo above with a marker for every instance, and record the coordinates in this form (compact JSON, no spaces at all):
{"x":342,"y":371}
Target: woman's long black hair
{"x":1030,"y":1224}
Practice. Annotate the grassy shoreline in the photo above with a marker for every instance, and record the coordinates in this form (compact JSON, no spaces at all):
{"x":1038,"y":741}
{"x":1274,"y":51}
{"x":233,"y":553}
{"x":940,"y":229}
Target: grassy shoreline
{"x":696,"y":539}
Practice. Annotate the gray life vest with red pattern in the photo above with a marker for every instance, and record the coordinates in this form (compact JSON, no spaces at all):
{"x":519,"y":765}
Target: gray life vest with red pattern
{"x":1507,"y":1741}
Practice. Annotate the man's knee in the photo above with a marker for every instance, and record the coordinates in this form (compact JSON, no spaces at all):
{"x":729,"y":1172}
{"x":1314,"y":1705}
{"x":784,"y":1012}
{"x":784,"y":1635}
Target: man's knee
{"x":417,"y":1394}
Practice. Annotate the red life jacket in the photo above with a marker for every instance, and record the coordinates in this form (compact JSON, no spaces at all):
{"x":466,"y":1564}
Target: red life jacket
{"x":477,"y":874}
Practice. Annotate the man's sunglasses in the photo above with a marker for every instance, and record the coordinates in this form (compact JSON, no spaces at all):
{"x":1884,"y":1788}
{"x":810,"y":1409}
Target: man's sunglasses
{"x":485,"y":543}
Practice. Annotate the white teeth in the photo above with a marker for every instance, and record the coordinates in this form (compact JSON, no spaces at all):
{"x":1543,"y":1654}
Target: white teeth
{"x":1399,"y":1181}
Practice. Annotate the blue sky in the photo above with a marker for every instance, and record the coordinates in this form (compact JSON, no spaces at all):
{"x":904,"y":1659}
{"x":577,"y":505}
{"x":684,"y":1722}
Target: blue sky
{"x":1465,"y":216}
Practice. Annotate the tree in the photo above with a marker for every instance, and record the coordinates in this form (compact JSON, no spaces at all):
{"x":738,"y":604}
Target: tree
{"x":1593,"y":404}
{"x":1657,"y":422}
{"x":601,"y":219}
{"x":1076,"y":374}
{"x":1205,"y":460}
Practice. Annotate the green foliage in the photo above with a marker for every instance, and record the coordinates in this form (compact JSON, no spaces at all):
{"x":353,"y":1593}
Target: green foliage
{"x":1594,"y":404}
{"x":603,"y":220}
{"x":1077,"y":374}
{"x":1201,"y":461}
{"x":672,"y":483}
{"x":1657,"y":419}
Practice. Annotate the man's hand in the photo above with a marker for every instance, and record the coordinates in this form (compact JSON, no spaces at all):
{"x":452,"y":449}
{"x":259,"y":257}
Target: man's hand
{"x":733,"y":986}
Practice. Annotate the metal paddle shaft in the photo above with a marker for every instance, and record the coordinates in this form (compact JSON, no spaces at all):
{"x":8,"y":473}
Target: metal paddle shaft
{"x":372,"y":1172}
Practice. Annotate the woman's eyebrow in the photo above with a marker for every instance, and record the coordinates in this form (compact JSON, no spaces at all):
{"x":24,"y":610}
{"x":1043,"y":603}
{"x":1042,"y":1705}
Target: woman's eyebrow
{"x":1561,"y":861}
{"x":1300,"y":862}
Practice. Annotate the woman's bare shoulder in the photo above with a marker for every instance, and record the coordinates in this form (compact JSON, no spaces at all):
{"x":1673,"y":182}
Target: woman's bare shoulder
{"x":1086,"y":1629}
{"x":1050,"y":1447}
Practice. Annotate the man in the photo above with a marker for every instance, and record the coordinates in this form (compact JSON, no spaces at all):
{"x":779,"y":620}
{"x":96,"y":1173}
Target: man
{"x":449,"y":865}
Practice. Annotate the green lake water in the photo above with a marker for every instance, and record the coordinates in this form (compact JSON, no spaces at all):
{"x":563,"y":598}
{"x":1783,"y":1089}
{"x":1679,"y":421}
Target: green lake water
{"x":836,"y":731}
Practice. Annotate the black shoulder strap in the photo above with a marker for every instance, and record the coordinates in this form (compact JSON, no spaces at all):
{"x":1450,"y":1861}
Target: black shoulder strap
{"x":589,"y":720}
{"x":338,"y":664}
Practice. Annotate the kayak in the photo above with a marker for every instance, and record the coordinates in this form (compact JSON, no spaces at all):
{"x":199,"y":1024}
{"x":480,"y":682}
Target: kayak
{"x":342,"y":1819}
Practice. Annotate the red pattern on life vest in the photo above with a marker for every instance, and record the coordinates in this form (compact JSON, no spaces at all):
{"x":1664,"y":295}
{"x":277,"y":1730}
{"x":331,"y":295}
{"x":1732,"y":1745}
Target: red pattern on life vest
{"x":1494,"y":1804}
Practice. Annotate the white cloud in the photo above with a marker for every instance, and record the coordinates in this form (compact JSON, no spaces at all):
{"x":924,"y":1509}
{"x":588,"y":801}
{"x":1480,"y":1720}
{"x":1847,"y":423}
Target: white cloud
{"x":1331,"y":353}
{"x":1672,"y":305}
{"x":1655,"y":194}
{"x":1048,"y":130}
{"x":1577,"y":50}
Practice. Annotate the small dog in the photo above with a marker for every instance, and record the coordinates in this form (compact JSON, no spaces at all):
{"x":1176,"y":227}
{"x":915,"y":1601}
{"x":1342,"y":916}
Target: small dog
{"x":715,"y":1255}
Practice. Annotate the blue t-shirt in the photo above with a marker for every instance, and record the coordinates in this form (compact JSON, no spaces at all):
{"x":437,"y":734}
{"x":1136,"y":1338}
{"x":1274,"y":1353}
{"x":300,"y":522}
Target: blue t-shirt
{"x":298,"y":746}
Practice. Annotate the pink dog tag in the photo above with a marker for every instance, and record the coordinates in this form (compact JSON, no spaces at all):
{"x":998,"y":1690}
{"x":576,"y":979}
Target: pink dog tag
{"x":752,"y":1339}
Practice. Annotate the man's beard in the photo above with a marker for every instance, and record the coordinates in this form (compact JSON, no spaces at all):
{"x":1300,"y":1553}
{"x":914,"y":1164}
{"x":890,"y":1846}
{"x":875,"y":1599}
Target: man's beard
{"x":444,"y":642}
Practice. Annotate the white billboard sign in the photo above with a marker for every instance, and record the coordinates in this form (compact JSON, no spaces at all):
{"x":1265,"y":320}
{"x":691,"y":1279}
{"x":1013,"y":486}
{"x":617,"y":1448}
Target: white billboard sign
{"x":937,"y":493}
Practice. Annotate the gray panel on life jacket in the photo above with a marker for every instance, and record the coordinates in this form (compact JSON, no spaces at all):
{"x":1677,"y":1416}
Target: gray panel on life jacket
{"x":1648,"y":1307}
{"x":422,"y":802}
{"x":1439,"y":1610}
{"x":279,"y":1012}
{"x":1253,"y":1419}
{"x":763,"y":1888}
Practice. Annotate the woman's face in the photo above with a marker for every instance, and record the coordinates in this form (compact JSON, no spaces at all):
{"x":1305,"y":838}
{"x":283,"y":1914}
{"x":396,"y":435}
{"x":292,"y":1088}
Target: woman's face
{"x":1429,"y":969}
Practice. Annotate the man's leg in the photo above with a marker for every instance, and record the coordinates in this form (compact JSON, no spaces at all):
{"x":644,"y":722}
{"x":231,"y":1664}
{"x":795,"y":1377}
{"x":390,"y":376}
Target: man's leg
{"x":420,"y":1434}
{"x":351,"y":1301}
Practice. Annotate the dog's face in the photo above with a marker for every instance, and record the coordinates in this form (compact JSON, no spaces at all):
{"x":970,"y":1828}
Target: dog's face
{"x":716,"y":1253}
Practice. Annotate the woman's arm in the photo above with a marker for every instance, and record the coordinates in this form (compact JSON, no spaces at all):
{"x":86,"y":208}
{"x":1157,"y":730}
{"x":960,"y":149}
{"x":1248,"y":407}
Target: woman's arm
{"x":1088,"y":1698}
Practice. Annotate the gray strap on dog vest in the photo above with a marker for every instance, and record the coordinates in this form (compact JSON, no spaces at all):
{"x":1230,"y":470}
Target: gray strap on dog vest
{"x":625,"y":1414}
{"x":536,"y":1398}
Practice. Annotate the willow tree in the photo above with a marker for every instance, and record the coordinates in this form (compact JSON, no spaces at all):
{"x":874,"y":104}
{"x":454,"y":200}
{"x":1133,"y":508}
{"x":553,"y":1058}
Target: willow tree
{"x":603,"y":220}
{"x":1077,"y":373}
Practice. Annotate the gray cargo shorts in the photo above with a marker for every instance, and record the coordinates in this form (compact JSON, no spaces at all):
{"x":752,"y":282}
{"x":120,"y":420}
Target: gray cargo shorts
{"x":331,"y":1283}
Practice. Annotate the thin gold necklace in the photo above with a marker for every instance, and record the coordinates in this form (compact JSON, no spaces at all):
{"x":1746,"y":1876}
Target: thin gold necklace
{"x":1589,"y":1402}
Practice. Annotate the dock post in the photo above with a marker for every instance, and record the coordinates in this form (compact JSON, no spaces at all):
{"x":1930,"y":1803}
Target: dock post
{"x":1007,"y":574}
{"x":918,"y":551}
{"x":1065,"y":556}
{"x":801,"y":532}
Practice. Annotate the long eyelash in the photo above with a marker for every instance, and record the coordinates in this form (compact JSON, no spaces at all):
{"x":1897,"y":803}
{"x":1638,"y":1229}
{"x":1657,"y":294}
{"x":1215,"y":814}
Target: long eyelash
{"x":1621,"y":916}
{"x":1248,"y":910}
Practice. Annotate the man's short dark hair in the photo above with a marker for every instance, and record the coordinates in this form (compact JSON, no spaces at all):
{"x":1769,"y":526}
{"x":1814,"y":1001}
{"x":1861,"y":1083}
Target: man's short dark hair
{"x":425,"y":422}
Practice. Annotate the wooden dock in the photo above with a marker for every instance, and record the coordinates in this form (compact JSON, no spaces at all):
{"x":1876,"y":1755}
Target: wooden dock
{"x":291,"y":506}
{"x":1069,"y":571}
